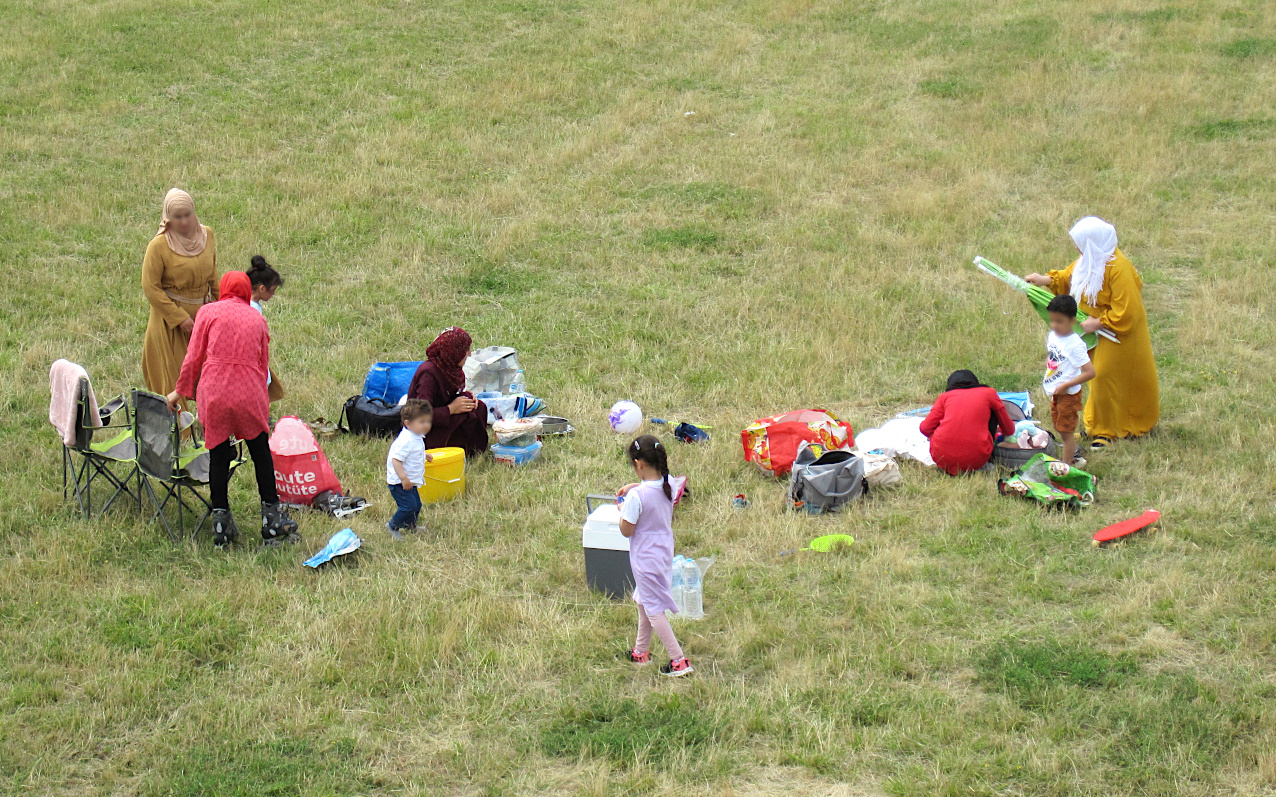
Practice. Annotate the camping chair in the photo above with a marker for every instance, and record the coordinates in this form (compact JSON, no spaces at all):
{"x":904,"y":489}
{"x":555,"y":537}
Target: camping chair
{"x":113,"y":459}
{"x":179,"y":471}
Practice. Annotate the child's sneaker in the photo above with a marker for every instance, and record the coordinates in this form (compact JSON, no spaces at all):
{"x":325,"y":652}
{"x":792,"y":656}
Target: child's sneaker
{"x":394,"y":533}
{"x":1079,"y":462}
{"x":638,"y":658}
{"x":677,"y":669}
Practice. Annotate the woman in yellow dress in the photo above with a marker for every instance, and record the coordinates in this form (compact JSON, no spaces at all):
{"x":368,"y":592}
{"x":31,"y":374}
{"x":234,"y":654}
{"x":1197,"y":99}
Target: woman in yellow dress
{"x":1125,"y":400}
{"x":179,"y":276}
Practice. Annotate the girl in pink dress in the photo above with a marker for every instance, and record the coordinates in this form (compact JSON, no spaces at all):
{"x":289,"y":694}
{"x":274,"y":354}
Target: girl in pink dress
{"x":225,"y":370}
{"x":646,"y":518}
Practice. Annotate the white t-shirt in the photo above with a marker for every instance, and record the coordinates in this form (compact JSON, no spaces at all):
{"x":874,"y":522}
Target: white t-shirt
{"x":408,"y":448}
{"x":631,"y":507}
{"x":1064,"y":359}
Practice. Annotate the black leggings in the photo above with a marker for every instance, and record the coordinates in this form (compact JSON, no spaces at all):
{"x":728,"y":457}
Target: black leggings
{"x":219,"y":471}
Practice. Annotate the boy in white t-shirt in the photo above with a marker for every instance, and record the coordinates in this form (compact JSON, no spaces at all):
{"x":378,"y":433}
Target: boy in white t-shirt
{"x":405,"y":465}
{"x":1068,"y":367}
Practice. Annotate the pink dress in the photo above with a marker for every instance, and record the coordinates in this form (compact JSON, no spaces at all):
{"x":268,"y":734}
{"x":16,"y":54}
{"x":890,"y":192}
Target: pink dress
{"x":651,"y":550}
{"x":225,"y":370}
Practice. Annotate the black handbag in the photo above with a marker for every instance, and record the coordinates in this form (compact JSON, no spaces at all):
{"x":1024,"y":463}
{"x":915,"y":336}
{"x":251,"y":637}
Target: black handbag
{"x":369,"y":417}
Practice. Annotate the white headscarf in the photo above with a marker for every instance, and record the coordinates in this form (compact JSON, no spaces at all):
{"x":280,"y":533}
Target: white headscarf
{"x":1097,"y":241}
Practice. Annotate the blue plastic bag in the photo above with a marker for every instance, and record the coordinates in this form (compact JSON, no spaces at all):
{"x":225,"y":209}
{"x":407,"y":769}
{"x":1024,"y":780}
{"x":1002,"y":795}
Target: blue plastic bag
{"x":1021,"y":399}
{"x":343,"y":542}
{"x":389,"y":381}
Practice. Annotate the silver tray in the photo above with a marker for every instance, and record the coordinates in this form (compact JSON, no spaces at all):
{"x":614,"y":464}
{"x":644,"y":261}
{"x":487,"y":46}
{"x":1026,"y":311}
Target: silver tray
{"x":554,"y":425}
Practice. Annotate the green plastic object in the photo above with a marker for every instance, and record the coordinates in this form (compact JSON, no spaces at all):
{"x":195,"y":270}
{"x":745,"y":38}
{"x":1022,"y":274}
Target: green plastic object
{"x":1051,"y":483}
{"x":828,"y":542}
{"x":1039,"y":297}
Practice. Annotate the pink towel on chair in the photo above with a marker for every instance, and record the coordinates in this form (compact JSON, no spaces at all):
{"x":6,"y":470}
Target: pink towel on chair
{"x":64,"y":389}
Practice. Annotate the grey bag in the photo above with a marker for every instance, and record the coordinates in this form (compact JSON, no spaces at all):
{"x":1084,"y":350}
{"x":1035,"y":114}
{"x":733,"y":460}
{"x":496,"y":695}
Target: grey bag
{"x":827,"y":482}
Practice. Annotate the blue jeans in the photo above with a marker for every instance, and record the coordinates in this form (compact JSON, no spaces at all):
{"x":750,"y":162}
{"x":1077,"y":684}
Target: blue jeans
{"x":409,"y":503}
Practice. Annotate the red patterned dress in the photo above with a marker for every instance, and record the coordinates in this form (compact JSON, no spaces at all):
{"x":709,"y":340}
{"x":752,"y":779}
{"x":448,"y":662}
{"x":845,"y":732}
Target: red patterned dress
{"x":225,"y":370}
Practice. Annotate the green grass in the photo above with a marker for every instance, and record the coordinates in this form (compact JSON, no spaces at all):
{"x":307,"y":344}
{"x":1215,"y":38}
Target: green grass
{"x":1250,"y":48}
{"x":1029,"y":670}
{"x":680,"y":237}
{"x":656,"y":732}
{"x":720,"y":211}
{"x":245,"y":768}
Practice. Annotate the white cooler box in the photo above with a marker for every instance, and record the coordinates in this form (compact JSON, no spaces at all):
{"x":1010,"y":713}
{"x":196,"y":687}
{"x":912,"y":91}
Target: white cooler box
{"x":606,"y":549}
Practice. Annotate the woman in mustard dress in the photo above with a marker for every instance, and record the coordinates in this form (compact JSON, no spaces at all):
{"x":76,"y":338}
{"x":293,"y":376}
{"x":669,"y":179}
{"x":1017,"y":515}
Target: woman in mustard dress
{"x":179,"y":276}
{"x":1125,"y":400}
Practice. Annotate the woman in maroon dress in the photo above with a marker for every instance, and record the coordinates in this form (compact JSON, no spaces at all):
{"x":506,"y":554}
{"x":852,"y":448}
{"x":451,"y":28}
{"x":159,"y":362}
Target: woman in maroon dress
{"x":460,"y":420}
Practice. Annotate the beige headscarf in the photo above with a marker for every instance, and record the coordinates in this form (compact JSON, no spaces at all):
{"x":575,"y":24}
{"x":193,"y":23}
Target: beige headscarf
{"x":174,"y":200}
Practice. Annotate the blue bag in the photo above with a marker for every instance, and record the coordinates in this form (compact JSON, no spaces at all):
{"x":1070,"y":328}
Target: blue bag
{"x":1020,"y":399}
{"x":342,"y":543}
{"x":389,"y":381}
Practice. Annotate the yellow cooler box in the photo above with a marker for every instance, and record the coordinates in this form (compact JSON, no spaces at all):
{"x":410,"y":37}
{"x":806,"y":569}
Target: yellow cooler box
{"x":445,"y":476}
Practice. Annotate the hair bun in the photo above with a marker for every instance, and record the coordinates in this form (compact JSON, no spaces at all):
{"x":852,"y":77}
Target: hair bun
{"x":259,"y":262}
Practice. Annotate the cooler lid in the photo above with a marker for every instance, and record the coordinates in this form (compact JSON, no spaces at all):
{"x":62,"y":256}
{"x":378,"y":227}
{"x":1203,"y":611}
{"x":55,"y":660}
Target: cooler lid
{"x":602,"y":529}
{"x":604,"y":540}
{"x":605,"y":514}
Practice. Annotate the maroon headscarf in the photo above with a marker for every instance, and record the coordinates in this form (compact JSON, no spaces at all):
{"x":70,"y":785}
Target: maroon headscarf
{"x":236,"y":285}
{"x":447,"y":352}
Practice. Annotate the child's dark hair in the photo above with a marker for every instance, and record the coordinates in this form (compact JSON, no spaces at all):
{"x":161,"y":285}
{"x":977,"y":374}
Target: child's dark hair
{"x":649,"y":449}
{"x":413,"y":409}
{"x":1063,"y":304}
{"x":262,"y":274}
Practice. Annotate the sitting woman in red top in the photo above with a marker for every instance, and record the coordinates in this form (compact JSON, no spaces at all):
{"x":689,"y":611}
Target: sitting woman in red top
{"x":963,"y":423}
{"x":460,"y":420}
{"x":225,"y":370}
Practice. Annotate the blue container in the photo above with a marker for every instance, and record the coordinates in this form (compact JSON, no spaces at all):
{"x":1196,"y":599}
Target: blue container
{"x":389,"y":381}
{"x":516,"y":455}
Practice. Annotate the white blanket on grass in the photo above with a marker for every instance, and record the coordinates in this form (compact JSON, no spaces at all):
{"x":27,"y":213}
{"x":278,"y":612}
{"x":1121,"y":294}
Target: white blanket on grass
{"x":898,"y":437}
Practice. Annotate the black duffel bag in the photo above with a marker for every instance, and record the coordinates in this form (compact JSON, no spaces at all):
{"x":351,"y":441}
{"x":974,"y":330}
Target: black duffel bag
{"x":369,"y":416}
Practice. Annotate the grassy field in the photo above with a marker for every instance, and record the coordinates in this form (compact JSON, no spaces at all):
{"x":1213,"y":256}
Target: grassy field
{"x":720,"y":210}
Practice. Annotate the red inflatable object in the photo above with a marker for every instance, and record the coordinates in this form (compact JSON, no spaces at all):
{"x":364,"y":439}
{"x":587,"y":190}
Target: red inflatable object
{"x":1126,"y":527}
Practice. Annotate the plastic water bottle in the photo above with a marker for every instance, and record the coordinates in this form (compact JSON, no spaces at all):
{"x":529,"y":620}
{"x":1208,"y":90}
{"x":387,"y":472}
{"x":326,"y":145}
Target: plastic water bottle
{"x":519,"y":385}
{"x":692,"y":590}
{"x":677,"y":582}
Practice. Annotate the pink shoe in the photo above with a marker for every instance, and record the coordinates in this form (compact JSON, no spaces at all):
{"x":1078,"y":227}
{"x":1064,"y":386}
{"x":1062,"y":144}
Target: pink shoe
{"x":677,"y":669}
{"x":638,"y":658}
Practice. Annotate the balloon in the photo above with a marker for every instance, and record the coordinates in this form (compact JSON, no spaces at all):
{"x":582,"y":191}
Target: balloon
{"x":625,"y":417}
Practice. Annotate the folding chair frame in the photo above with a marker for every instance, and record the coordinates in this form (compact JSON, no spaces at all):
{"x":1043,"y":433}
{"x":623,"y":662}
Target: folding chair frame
{"x":77,"y":479}
{"x":179,"y":486}
{"x":176,"y":489}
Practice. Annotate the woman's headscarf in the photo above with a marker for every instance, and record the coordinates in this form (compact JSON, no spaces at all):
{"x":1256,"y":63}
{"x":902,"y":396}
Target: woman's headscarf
{"x":1097,"y":241}
{"x":962,"y":380}
{"x":236,"y":285}
{"x":177,"y":199}
{"x":447,"y":352}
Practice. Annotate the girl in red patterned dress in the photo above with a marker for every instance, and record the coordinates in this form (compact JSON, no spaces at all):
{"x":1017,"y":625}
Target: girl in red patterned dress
{"x":225,"y":370}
